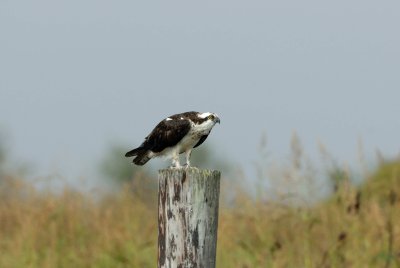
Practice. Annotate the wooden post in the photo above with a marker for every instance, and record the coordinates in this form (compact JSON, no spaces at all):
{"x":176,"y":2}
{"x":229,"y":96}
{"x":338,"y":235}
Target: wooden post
{"x":187,"y":217}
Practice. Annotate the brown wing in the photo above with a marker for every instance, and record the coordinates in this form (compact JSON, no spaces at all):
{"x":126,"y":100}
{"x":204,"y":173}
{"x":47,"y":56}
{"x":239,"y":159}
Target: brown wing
{"x":166,"y":134}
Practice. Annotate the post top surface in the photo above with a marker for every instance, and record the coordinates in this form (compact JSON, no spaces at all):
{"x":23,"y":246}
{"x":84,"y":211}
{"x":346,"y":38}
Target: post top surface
{"x":189,"y":170}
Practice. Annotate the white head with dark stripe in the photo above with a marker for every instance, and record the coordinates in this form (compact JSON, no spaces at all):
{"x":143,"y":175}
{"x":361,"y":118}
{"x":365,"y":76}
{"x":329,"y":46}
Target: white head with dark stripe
{"x":210,"y":116}
{"x":205,"y":119}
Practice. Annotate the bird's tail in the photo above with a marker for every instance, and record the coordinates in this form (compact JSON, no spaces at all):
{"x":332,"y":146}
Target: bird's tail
{"x":141,"y":154}
{"x":135,"y":152}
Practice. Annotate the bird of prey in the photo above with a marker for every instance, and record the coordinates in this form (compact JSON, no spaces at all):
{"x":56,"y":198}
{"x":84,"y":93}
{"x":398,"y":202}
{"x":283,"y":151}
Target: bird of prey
{"x":176,"y":134}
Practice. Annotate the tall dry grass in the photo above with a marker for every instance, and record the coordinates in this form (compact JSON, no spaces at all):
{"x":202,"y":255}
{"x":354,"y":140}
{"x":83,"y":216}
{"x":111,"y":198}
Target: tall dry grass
{"x":355,"y":227}
{"x":74,"y":230}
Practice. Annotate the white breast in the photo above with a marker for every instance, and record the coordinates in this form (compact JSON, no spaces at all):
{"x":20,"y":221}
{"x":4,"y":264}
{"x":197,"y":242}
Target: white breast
{"x":193,"y":137}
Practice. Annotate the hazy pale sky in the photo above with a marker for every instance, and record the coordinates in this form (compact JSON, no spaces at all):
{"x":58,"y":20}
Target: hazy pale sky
{"x":77,"y":76}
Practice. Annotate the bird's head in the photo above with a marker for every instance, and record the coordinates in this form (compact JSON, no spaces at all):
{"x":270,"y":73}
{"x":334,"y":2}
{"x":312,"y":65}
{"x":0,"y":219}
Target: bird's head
{"x":210,"y":118}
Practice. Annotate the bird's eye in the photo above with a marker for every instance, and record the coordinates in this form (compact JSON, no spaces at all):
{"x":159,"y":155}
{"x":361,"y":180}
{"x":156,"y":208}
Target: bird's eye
{"x":211,"y":117}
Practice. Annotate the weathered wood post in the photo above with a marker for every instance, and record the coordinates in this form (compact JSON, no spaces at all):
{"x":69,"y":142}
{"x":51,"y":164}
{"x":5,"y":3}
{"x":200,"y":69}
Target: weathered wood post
{"x":187,"y":217}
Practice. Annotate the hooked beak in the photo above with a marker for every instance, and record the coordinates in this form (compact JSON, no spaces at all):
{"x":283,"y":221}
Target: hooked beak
{"x":217,"y":120}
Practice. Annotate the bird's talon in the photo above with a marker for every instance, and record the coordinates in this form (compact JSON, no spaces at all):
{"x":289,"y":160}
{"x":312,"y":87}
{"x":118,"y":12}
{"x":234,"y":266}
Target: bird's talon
{"x":174,"y":166}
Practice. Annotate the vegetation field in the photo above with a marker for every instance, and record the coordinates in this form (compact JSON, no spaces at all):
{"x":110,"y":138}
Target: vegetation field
{"x":355,"y":227}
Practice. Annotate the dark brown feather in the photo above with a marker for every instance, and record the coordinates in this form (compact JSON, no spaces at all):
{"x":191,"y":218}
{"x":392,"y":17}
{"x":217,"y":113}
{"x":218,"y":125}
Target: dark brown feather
{"x":166,"y":134}
{"x":135,"y":151}
{"x":141,"y":159}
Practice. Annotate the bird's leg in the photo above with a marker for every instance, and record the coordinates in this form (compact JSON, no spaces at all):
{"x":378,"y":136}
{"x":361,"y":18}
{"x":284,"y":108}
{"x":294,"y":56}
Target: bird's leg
{"x":175,"y":161}
{"x":188,"y":154}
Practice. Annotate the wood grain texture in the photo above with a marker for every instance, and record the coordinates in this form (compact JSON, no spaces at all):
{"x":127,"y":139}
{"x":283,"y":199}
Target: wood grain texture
{"x":188,"y":200}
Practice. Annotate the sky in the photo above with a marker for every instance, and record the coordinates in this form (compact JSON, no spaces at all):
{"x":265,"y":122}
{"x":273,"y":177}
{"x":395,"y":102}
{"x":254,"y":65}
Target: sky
{"x":77,"y":77}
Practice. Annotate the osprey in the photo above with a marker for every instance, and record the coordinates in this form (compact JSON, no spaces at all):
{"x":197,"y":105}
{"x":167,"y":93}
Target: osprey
{"x":177,"y":134}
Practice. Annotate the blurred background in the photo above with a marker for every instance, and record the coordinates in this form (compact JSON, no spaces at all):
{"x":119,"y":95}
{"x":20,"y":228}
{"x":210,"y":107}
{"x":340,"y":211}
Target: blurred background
{"x":308,"y":96}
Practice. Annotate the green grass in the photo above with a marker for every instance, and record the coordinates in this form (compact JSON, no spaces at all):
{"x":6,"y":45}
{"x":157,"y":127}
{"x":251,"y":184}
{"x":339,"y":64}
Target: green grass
{"x":356,"y":227}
